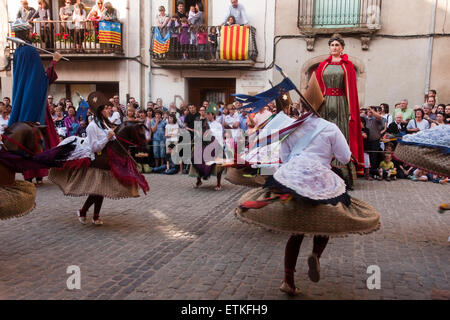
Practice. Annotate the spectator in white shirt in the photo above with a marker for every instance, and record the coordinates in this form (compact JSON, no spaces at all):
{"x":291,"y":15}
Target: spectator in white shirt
{"x":232,"y":121}
{"x":238,"y":12}
{"x":259,"y":118}
{"x":114,"y":116}
{"x":4,"y":117}
{"x":419,"y":123}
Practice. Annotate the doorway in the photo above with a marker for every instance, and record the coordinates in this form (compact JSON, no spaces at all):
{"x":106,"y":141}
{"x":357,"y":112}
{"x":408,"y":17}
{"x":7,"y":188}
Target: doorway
{"x":188,"y":4}
{"x":211,"y":89}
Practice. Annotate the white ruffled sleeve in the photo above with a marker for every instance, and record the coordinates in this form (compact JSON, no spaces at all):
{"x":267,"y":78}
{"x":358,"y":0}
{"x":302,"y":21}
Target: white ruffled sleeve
{"x":96,"y":137}
{"x":339,"y":146}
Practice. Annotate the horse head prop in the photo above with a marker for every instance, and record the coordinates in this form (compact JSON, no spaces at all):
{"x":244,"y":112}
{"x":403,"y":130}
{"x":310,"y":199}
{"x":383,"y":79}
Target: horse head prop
{"x":131,"y":134}
{"x":25,"y":137}
{"x":22,"y":137}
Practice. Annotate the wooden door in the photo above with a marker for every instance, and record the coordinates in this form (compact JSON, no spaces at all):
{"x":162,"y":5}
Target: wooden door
{"x":188,"y":3}
{"x":212,"y":89}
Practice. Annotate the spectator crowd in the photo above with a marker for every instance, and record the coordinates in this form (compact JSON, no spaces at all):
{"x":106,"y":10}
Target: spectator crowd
{"x":381,"y":129}
{"x":73,"y":17}
{"x":229,"y":123}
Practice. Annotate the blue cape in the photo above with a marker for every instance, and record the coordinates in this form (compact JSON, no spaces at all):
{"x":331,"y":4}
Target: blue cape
{"x":30,"y":85}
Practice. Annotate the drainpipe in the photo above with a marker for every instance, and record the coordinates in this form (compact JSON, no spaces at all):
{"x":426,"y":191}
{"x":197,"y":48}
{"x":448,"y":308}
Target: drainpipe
{"x":148,"y":29}
{"x":128,"y":51}
{"x":141,"y":51}
{"x":430,"y":47}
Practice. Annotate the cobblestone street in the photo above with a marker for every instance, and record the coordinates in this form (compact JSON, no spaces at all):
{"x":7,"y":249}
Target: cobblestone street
{"x":183,"y":243}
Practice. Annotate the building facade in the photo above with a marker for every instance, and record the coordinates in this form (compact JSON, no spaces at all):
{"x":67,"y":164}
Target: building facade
{"x":390,"y":42}
{"x":399,"y":48}
{"x":112,"y":69}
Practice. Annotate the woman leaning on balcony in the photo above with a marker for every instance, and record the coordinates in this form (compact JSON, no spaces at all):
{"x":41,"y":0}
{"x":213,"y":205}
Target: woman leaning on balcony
{"x":337,"y":80}
{"x":162,"y":21}
{"x":46,"y":28}
{"x":78,"y":19}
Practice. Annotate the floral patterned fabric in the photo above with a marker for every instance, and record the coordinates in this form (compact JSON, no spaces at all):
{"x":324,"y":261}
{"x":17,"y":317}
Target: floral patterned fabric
{"x":309,"y":178}
{"x":438,"y":137}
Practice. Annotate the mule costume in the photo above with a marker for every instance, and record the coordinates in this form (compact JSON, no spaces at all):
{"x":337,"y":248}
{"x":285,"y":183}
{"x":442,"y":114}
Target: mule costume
{"x":115,"y":177}
{"x":305,"y":196}
{"x":30,"y":86}
{"x":211,"y":142}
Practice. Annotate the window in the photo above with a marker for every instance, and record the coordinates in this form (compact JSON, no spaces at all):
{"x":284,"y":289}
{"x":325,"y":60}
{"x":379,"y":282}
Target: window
{"x":320,"y":16}
{"x":336,"y":13}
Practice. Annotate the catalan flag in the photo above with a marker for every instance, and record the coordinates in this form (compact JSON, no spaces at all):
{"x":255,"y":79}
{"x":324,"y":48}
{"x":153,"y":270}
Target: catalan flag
{"x":12,"y":34}
{"x":160,"y":45}
{"x":234,"y":42}
{"x":110,"y":32}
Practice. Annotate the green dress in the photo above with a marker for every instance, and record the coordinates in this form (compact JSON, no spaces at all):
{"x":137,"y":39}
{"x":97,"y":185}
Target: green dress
{"x":336,"y":108}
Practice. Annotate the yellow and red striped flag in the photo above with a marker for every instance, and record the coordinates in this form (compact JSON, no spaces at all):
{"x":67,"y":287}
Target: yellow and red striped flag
{"x":234,"y":42}
{"x":161,"y":45}
{"x":110,"y":32}
{"x":12,"y":34}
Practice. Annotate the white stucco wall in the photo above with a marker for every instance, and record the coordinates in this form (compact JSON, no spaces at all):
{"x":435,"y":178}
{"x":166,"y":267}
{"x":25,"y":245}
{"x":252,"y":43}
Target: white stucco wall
{"x":395,"y":68}
{"x":166,"y":84}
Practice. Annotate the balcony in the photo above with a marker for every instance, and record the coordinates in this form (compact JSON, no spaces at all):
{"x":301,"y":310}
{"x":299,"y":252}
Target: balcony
{"x":343,"y":16}
{"x":240,"y":53}
{"x":73,"y":43}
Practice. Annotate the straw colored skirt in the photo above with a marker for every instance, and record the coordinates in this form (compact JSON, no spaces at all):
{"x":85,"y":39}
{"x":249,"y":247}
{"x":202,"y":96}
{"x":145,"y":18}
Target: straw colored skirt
{"x":430,"y":159}
{"x":301,"y":217}
{"x":91,"y":181}
{"x":236,"y":176}
{"x":17,"y":200}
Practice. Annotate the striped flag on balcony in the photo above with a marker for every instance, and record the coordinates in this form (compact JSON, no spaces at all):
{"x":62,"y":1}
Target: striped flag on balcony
{"x":234,"y":42}
{"x":110,"y":32}
{"x":12,"y":33}
{"x":160,"y":45}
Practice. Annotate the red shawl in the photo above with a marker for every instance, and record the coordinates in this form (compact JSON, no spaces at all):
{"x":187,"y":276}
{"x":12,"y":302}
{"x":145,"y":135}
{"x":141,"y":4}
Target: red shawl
{"x":354,"y":126}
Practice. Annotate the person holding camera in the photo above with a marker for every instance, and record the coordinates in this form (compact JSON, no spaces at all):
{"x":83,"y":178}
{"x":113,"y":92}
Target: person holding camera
{"x":375,"y":124}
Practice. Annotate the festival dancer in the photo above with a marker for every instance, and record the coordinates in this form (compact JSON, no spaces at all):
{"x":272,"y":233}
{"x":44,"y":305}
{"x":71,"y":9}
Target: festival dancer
{"x":211,"y":142}
{"x":116,"y":178}
{"x":30,"y":86}
{"x":305,"y":196}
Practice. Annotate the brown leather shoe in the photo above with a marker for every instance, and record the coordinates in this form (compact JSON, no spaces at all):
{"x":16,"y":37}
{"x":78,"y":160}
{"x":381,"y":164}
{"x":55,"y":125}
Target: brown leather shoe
{"x":314,"y":268}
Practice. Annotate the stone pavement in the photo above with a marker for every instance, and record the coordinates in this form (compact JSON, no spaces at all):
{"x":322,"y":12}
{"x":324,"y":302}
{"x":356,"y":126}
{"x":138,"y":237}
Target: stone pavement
{"x":182,"y":243}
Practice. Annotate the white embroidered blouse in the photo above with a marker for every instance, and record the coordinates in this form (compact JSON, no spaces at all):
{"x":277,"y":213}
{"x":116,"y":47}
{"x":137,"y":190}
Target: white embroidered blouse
{"x":330,"y":142}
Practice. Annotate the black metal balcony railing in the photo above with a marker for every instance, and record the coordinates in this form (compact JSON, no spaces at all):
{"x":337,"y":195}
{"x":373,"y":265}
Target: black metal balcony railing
{"x":66,"y":38}
{"x":192,"y":53}
{"x":346,"y":15}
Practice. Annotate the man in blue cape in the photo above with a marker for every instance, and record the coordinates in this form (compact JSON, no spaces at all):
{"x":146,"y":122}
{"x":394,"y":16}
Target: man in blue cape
{"x":30,"y":86}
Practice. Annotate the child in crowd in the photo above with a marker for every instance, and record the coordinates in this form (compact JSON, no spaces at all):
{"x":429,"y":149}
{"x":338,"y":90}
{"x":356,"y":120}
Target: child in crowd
{"x":387,"y":168}
{"x":81,"y":131}
{"x":170,"y":168}
{"x":202,"y":41}
{"x":78,"y":18}
{"x":185,"y":37}
{"x":437,"y":179}
{"x":59,"y":123}
{"x":173,"y":135}
{"x":419,"y":175}
{"x":231,"y":21}
{"x":174,"y":28}
{"x":212,"y":40}
{"x":192,"y":12}
{"x":365,"y":135}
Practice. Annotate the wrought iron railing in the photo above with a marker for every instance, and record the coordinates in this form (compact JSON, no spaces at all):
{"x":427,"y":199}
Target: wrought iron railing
{"x":209,"y":52}
{"x":67,"y":38}
{"x":323,"y":14}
